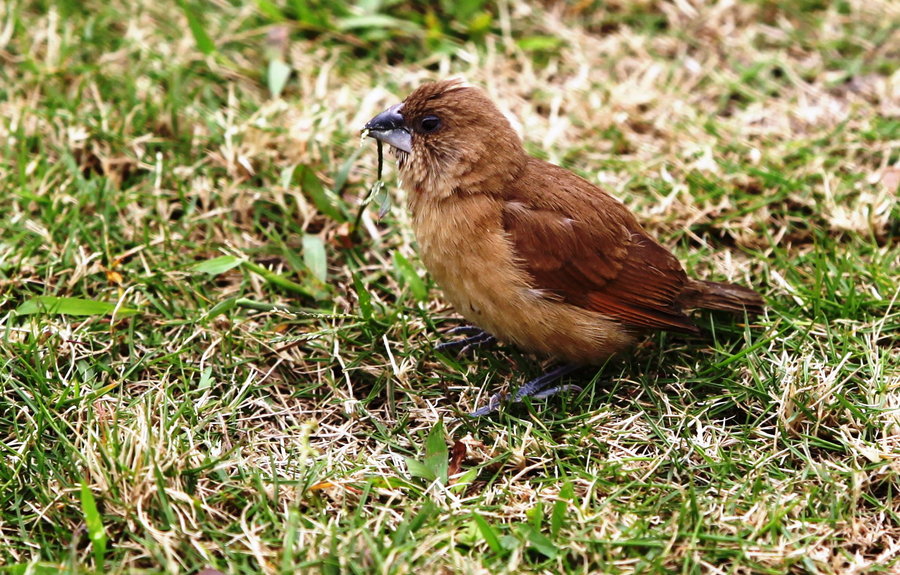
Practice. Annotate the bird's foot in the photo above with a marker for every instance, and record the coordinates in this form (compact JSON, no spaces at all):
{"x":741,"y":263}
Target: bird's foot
{"x":477,"y":338}
{"x":537,"y":388}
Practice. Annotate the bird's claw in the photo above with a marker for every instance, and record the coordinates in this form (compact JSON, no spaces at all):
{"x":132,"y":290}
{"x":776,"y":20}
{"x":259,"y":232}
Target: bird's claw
{"x":536,"y":389}
{"x":466,"y":329}
{"x":478,"y":338}
{"x":492,"y":405}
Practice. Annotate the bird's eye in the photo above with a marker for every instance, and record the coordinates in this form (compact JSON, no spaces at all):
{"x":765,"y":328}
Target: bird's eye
{"x":430,"y":124}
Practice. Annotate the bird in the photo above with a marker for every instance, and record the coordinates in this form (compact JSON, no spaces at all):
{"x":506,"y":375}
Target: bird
{"x":528,"y":252}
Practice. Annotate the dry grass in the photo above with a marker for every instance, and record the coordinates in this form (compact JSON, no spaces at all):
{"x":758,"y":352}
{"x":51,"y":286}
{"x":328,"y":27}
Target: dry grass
{"x":760,"y":140}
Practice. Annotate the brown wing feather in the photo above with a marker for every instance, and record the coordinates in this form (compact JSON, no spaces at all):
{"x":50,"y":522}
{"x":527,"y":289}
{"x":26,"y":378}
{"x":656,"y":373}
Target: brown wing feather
{"x":582,"y":246}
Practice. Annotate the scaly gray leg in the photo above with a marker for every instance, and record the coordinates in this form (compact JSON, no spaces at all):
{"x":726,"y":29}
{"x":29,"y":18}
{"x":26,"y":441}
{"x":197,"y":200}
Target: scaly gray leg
{"x":536,"y":388}
{"x":478,"y":338}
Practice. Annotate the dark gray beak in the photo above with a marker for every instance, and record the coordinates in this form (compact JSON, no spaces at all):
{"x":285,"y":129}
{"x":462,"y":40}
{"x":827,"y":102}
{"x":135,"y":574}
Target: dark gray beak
{"x":389,"y":127}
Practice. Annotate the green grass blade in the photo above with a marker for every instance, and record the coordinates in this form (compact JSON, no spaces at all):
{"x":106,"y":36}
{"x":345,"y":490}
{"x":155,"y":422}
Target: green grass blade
{"x":216,"y":266}
{"x":94,"y":523}
{"x":195,"y":23}
{"x":488,"y":534}
{"x":53,"y":305}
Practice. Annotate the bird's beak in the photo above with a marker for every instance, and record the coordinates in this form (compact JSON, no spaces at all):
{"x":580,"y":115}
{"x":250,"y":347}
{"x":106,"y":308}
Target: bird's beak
{"x":388,"y":127}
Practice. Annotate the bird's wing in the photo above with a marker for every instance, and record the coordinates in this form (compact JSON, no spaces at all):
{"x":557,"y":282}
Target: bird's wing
{"x":584,"y":247}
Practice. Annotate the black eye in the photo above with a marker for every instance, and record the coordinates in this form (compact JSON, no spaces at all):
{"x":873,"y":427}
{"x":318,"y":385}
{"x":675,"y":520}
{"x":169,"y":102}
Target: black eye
{"x":430,"y":124}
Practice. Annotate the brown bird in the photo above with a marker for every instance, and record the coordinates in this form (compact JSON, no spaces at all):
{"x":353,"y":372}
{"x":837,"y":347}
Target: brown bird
{"x":527,"y":251}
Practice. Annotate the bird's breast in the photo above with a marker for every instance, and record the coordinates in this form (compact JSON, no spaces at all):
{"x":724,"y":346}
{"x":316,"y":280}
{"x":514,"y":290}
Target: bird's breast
{"x":465,"y":248}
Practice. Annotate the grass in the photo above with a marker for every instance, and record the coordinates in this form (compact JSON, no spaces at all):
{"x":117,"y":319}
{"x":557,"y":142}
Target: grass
{"x":203,"y":366}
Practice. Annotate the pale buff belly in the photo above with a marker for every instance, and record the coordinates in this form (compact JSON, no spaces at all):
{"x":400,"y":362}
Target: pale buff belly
{"x":471,"y":260}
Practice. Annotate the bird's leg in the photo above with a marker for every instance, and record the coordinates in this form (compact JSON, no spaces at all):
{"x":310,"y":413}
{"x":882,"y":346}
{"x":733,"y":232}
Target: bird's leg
{"x":468,"y":328}
{"x":477,"y":338}
{"x":536,"y":388}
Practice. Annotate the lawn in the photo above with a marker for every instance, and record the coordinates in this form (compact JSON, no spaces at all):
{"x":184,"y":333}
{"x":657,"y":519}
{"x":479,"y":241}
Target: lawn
{"x":205,"y":363}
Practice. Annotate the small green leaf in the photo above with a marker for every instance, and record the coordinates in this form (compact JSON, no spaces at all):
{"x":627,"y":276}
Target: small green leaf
{"x":204,"y":42}
{"x":558,"y":515}
{"x":435,"y":465}
{"x":206,"y":379}
{"x":314,"y":256}
{"x":53,"y":305}
{"x":223,"y":306}
{"x":277,"y":76}
{"x":437,"y":456}
{"x":418,"y":469}
{"x":463,"y":481}
{"x":435,"y":444}
{"x":94,"y":524}
{"x":510,"y":543}
{"x":217,"y":265}
{"x":487,"y":532}
{"x":364,"y":297}
{"x":270,"y":10}
{"x":539,"y":43}
{"x":407,"y":275}
{"x":324,"y":199}
{"x":383,"y":200}
{"x":536,"y":515}
{"x":539,"y":542}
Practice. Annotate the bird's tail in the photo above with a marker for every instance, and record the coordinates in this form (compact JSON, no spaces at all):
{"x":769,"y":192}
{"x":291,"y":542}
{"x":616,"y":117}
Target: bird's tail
{"x":720,"y":296}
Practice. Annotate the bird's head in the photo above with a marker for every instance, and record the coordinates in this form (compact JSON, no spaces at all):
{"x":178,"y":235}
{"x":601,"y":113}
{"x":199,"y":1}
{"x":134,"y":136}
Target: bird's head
{"x":449,"y":137}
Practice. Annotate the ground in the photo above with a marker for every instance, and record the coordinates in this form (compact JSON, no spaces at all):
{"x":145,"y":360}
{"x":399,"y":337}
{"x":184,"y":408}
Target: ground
{"x":207,"y":364}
